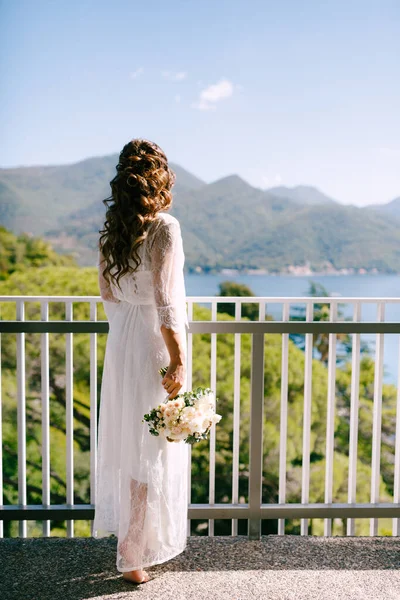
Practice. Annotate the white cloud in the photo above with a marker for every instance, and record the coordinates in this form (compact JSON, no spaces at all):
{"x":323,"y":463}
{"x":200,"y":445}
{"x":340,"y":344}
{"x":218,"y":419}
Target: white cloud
{"x":177,"y":99}
{"x":137,"y":73}
{"x":218,"y":91}
{"x":214,"y":93}
{"x":174,"y":76}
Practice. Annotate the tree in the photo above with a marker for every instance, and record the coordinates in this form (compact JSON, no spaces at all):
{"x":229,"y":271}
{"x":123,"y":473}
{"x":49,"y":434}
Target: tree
{"x":321,"y":340}
{"x":18,"y":253}
{"x":231,"y":288}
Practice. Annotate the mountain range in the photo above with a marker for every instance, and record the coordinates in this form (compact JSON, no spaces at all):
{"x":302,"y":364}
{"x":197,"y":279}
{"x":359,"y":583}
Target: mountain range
{"x":225,"y":224}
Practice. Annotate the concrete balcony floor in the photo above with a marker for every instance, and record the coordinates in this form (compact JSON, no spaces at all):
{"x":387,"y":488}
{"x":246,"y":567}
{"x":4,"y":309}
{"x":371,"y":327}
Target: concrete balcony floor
{"x":274,"y":568}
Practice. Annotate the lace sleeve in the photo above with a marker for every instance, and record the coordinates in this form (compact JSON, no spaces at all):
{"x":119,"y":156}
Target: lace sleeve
{"x":167,"y":259}
{"x":104,"y":286}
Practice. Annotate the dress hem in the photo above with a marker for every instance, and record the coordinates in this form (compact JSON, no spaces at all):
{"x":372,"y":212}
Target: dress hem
{"x":151,"y":564}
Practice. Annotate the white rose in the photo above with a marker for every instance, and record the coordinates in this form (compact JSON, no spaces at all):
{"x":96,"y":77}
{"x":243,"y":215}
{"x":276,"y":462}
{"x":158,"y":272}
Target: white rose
{"x":195,"y":426}
{"x":179,"y":436}
{"x":205,"y":424}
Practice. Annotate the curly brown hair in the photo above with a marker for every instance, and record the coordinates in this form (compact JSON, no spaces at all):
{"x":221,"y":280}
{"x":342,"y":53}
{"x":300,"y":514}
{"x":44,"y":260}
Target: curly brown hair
{"x":140,"y":189}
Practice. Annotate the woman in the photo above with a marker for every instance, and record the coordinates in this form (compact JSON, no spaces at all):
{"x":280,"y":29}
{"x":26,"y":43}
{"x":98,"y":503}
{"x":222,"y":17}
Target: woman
{"x":141,"y":491}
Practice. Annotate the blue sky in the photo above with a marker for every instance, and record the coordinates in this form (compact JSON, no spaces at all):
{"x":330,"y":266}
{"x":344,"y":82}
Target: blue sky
{"x":282,"y":93}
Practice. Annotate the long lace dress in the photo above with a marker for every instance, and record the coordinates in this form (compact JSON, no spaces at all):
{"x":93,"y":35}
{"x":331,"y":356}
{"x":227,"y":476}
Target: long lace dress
{"x":141,"y":484}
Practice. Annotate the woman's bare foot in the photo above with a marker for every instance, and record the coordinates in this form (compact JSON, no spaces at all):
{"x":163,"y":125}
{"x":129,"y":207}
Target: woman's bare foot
{"x":138,"y":576}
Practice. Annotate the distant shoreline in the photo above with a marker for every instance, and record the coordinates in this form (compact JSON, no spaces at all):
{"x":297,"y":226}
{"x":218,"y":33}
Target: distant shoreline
{"x":293,"y":273}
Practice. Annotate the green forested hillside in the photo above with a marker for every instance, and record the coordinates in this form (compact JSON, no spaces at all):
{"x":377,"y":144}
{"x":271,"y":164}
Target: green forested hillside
{"x":36,"y":199}
{"x":343,"y":236}
{"x":44,"y":194}
{"x":229,"y":224}
{"x":225,"y":224}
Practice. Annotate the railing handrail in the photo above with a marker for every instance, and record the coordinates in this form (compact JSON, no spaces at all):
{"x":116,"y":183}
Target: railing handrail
{"x":254,"y":327}
{"x":220,"y":299}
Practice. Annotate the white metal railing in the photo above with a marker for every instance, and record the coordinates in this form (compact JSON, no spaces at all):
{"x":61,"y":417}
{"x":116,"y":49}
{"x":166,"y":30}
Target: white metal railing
{"x":254,"y":510}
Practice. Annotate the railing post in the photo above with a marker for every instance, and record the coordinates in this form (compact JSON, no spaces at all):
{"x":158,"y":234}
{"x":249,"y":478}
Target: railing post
{"x":93,"y":409}
{"x":45,"y":393}
{"x":377,"y":418}
{"x":236,"y":417}
{"x":354,"y":410}
{"x":396,"y":491}
{"x":69,"y":416}
{"x":213,"y":386}
{"x":305,"y":476}
{"x":1,"y":442}
{"x":21,"y":417}
{"x":284,"y":416}
{"x":256,"y":435}
{"x":189,"y":387}
{"x":330,"y":419}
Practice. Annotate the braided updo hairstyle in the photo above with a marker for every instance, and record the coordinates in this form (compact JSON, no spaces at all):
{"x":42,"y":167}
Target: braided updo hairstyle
{"x":141,"y":188}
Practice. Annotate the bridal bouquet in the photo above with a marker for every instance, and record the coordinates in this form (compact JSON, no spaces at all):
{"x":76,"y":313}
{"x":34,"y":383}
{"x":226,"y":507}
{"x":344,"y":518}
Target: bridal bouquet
{"x":188,"y":416}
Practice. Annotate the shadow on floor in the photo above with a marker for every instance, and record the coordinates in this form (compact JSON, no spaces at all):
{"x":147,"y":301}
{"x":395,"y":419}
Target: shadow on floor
{"x":80,"y":568}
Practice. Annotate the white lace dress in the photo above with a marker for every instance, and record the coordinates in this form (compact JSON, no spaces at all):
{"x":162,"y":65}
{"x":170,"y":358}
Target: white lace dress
{"x":141,"y":484}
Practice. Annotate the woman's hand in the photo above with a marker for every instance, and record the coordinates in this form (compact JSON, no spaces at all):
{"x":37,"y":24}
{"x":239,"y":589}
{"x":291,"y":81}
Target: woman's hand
{"x":173,"y":379}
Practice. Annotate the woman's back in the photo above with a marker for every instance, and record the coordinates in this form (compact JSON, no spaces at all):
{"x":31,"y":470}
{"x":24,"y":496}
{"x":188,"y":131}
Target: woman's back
{"x":136,"y":287}
{"x":141,"y":483}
